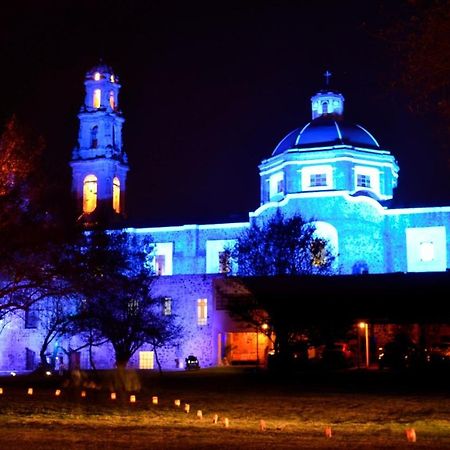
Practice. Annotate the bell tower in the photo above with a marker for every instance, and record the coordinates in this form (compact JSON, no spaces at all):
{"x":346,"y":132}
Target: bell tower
{"x":99,"y":163}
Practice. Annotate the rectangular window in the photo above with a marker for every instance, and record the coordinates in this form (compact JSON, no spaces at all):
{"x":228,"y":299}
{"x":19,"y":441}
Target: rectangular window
{"x":318,"y":179}
{"x":146,"y":360}
{"x":30,"y":358}
{"x":167,"y":306}
{"x":31,"y":317}
{"x":363,"y":180}
{"x":133,"y":307}
{"x":202,"y":311}
{"x":160,"y":264}
{"x":368,"y":178}
{"x":276,"y":184}
{"x":280,"y":186}
{"x":426,"y":251}
{"x":162,"y":258}
{"x":224,"y":262}
{"x":218,"y":259}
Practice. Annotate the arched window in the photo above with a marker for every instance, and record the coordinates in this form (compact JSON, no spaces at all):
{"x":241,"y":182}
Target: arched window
{"x":94,"y":139}
{"x":97,"y":98}
{"x":324,"y":107}
{"x":116,"y":195}
{"x":89,"y":194}
{"x":112,"y":102}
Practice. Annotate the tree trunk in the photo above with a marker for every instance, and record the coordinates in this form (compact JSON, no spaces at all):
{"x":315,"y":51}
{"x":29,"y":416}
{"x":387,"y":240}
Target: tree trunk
{"x":157,"y":360}
{"x":44,"y":364}
{"x":91,"y":357}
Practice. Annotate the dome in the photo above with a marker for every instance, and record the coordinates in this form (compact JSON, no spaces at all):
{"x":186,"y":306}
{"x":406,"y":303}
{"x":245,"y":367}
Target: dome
{"x":327,"y":130}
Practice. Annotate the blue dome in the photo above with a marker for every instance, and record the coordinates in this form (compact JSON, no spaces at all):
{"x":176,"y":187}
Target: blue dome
{"x":326,"y":131}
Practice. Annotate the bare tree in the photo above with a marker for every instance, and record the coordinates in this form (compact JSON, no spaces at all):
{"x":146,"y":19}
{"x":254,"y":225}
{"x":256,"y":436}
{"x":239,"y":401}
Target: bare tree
{"x":114,"y":280}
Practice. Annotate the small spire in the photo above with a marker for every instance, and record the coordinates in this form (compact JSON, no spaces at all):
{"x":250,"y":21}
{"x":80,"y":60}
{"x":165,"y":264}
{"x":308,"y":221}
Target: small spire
{"x":327,"y":76}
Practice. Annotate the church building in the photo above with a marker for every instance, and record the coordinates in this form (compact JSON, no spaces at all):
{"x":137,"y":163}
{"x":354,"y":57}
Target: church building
{"x":331,"y":171}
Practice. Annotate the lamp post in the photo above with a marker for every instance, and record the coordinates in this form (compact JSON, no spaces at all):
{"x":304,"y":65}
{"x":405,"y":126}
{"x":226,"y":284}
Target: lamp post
{"x":365,"y":326}
{"x":263,"y":327}
{"x":257,"y":346}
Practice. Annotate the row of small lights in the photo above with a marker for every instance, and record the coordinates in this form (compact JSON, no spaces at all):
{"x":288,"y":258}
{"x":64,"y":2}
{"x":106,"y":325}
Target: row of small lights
{"x":410,"y":432}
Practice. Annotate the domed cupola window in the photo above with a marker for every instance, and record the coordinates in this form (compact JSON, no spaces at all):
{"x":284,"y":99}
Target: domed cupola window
{"x":367,"y":178}
{"x":276,"y":186}
{"x":317,"y":177}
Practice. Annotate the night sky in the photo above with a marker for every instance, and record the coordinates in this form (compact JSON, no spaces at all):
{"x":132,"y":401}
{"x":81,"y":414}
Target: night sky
{"x":208,"y":90}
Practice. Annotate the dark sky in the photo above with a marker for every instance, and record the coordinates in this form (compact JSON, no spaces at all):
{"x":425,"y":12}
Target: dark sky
{"x":208,"y":90}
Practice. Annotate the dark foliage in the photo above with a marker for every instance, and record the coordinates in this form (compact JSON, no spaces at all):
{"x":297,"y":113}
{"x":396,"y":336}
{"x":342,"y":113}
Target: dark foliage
{"x":110,"y":272}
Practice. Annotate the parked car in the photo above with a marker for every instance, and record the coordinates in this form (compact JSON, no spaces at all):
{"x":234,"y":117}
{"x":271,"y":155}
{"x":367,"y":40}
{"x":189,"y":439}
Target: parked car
{"x":294,"y":357}
{"x":398,"y":355}
{"x":337,"y":355}
{"x":439,"y":354}
{"x":192,"y":363}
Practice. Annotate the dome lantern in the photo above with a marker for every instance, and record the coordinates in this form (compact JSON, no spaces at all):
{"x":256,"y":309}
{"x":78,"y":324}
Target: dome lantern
{"x":327,"y":102}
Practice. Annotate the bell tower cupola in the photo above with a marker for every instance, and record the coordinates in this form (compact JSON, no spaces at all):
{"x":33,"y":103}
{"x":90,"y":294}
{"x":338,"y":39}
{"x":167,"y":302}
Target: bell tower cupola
{"x":99,"y":163}
{"x":327,"y":102}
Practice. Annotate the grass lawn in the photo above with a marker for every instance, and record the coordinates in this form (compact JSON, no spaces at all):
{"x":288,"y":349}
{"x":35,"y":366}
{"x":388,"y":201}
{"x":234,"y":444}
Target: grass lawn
{"x":365,"y":410}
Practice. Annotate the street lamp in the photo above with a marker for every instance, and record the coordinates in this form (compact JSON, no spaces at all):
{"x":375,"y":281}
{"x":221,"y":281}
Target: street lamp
{"x":264,"y":327}
{"x":365,"y":326}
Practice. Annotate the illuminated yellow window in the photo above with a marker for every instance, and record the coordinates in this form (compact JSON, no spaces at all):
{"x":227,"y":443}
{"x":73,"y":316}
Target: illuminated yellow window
{"x":97,"y":76}
{"x":96,"y":99}
{"x":89,"y":193}
{"x":112,"y":79}
{"x":112,"y":103}
{"x":116,"y":195}
{"x":202,"y":311}
{"x":146,"y":360}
